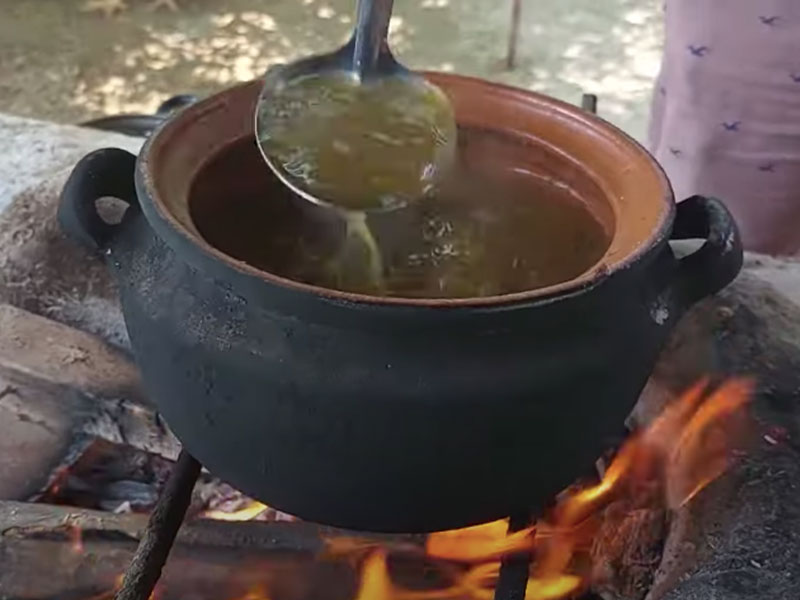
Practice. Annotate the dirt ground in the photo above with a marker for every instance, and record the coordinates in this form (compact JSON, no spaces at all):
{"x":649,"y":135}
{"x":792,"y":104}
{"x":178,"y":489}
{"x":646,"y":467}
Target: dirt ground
{"x":61,"y":63}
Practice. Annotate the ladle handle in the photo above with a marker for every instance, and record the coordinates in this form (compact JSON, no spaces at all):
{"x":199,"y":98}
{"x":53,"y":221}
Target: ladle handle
{"x":102,"y":174}
{"x":372,"y":27}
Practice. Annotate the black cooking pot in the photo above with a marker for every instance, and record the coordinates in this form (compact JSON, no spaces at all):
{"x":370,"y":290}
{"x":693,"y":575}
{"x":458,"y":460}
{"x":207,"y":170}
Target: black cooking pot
{"x":382,"y":413}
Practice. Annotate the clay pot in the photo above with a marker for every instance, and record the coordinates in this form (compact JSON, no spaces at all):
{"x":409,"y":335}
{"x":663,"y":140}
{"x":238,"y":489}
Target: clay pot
{"x":389,"y":414}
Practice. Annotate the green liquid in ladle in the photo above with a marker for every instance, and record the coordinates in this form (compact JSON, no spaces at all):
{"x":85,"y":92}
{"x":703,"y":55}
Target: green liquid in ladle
{"x":358,"y":147}
{"x":361,"y":146}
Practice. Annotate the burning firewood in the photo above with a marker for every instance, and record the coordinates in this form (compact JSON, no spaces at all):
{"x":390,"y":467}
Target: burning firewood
{"x":211,"y":559}
{"x":119,"y":478}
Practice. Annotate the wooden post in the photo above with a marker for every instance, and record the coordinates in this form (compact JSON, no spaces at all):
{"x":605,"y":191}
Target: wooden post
{"x":589,"y":103}
{"x":513,"y":36}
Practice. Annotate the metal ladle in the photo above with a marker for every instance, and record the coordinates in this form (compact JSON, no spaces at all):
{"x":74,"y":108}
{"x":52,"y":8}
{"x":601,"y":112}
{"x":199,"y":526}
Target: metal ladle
{"x":364,"y":61}
{"x":367,"y":58}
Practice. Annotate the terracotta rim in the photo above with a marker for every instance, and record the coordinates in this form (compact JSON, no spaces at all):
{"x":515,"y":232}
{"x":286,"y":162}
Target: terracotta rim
{"x":165,"y":221}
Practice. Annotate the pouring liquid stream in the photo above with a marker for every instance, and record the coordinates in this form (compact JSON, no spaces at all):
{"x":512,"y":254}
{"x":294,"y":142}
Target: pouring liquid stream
{"x":359,"y":264}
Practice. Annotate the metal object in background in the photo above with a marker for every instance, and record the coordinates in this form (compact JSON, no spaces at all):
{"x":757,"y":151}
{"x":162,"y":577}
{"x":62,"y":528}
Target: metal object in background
{"x":589,"y":103}
{"x":142,"y":125}
{"x":513,"y":35}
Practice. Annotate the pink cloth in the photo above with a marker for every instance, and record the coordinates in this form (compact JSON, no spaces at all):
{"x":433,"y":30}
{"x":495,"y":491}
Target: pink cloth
{"x":726,"y":112}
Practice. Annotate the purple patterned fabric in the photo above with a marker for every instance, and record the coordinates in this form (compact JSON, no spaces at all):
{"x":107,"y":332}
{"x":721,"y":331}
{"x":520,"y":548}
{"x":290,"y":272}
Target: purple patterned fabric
{"x":726,"y":112}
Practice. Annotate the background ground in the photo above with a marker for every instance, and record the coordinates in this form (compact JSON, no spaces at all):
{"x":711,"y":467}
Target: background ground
{"x":60,"y":63}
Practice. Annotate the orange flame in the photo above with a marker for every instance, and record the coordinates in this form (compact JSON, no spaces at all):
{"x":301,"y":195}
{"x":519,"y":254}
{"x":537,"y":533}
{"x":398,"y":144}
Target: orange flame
{"x":257,"y":593}
{"x":111,"y":594}
{"x":480,"y":543}
{"x":375,"y":582}
{"x":687,"y":447}
{"x":702,"y":451}
{"x":247,"y":513}
{"x":553,"y":588}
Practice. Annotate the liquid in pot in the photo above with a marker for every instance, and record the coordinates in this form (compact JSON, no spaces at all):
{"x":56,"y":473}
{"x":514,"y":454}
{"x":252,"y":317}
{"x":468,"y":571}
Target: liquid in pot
{"x":498,"y":225}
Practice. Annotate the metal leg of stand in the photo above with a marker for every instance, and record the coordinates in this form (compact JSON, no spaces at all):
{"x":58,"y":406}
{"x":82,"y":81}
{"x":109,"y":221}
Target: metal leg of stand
{"x":515,"y":570}
{"x":165,"y":520}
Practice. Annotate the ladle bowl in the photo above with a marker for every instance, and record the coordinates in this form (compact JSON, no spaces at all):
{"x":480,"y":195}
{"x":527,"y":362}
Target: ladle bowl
{"x":366,"y":58}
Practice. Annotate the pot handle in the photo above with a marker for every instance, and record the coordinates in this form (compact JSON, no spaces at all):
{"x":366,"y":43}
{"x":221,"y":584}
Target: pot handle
{"x":103,"y":173}
{"x":720,"y":258}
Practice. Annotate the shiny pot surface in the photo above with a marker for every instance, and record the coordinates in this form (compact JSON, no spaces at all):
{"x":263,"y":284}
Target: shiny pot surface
{"x":388,"y":414}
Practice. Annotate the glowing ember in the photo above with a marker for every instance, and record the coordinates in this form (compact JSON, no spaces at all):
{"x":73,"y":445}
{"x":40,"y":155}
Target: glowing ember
{"x":111,"y":594}
{"x":375,"y":582}
{"x":555,"y":587}
{"x":257,"y":593}
{"x":248,"y":513}
{"x":76,"y":538}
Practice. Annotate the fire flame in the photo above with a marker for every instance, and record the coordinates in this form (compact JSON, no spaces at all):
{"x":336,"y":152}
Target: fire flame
{"x":686,"y":448}
{"x":479,"y":543}
{"x":111,"y":594}
{"x":247,"y":513}
{"x":257,"y":593}
{"x":663,"y":466}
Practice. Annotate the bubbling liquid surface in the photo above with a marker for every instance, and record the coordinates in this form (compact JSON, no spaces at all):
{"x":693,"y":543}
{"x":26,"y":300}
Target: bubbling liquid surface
{"x":359,"y":146}
{"x":498,"y":225}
